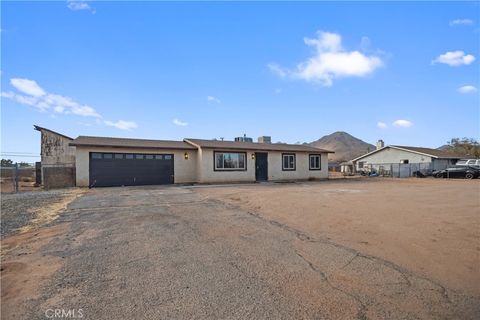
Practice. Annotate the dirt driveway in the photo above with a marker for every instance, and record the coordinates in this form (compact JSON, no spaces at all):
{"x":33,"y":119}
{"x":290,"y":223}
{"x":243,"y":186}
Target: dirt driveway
{"x":177,"y":253}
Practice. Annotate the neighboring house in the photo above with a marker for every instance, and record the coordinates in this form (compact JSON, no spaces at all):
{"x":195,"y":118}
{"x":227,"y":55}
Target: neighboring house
{"x":57,"y":159}
{"x":387,"y":156}
{"x":104,"y":161}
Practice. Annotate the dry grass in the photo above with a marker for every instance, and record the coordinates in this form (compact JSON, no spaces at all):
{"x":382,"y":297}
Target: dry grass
{"x":50,"y":213}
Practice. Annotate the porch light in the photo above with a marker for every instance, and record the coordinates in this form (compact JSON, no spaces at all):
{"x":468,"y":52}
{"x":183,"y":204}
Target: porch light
{"x":253,"y":156}
{"x":185,"y":155}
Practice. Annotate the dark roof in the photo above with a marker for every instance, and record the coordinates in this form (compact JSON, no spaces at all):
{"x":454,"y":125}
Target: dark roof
{"x":435,"y":153}
{"x":240,"y":145}
{"x":87,"y":141}
{"x":38,"y":128}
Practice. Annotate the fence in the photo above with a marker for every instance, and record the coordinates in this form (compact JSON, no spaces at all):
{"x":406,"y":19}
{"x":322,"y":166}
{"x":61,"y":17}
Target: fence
{"x":18,"y":177}
{"x":401,"y":170}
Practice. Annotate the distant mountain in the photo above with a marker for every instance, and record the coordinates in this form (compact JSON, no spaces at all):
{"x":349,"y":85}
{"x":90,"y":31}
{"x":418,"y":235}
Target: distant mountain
{"x":346,"y":146}
{"x":445,"y":147}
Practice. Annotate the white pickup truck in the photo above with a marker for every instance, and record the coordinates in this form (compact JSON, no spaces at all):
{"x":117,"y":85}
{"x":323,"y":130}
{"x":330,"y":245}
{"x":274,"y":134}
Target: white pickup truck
{"x":468,"y":162}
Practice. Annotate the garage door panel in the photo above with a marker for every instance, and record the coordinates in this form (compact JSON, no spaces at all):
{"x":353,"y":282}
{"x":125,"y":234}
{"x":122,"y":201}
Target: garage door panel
{"x":125,"y":171}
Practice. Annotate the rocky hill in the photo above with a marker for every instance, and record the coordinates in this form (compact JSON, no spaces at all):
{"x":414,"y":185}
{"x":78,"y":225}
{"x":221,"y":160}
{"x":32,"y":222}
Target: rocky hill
{"x":346,"y":146}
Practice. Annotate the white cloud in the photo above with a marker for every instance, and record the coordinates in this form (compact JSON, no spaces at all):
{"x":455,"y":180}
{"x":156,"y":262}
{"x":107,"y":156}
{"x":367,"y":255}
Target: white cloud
{"x":458,"y":22}
{"x":77,"y":5}
{"x":330,"y":61}
{"x":179,"y":123}
{"x":278,"y":91}
{"x":382,"y":125}
{"x":279,"y":71}
{"x":454,"y":58}
{"x":213,"y":99}
{"x":27,"y":86}
{"x":467,"y":89}
{"x":35,"y":96}
{"x":122,"y":124}
{"x":402,"y":123}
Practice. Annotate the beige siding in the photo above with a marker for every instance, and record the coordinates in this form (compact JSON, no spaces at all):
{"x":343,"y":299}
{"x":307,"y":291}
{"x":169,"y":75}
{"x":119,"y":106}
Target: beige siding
{"x":208,"y":175}
{"x":390,"y":155}
{"x":184,"y":170}
{"x":302,"y":171}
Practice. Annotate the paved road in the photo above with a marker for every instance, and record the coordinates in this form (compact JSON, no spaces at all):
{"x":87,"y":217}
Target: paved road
{"x":169,"y":253}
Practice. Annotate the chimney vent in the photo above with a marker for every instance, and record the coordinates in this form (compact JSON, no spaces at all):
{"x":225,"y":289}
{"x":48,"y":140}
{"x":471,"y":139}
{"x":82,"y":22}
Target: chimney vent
{"x":264,"y":139}
{"x":380,"y":144}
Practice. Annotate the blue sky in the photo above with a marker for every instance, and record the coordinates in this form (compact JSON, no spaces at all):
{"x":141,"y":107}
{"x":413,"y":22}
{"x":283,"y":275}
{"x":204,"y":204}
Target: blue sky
{"x":295,"y":71}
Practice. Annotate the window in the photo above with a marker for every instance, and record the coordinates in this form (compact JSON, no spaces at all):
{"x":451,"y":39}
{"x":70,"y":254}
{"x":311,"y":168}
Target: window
{"x":118,"y":155}
{"x":149,"y":157}
{"x":96,"y":155}
{"x":360,"y":164}
{"x":168,"y":157}
{"x":139,"y":156}
{"x":129,"y":156}
{"x":229,"y":161}
{"x":315,"y":162}
{"x":404,"y":161}
{"x":288,"y":162}
{"x":158,"y":157}
{"x":107,"y":156}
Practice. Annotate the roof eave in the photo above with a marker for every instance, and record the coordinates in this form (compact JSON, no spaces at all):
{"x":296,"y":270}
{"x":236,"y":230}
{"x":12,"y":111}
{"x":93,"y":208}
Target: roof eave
{"x":38,"y":128}
{"x":128,"y":146}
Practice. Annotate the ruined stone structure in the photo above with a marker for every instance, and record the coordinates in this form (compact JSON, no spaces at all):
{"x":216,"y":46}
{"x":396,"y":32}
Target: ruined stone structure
{"x":58,"y":159}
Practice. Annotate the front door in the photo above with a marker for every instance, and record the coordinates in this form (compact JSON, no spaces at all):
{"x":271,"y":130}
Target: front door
{"x":261,"y":166}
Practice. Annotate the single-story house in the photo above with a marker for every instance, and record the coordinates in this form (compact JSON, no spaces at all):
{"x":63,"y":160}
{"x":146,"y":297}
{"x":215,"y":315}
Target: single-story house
{"x":411,"y":158}
{"x":102,"y":161}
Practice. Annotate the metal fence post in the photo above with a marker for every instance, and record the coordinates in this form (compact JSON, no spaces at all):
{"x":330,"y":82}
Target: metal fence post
{"x":16,"y":177}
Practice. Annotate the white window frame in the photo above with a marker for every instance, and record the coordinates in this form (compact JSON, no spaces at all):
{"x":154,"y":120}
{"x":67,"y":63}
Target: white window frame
{"x":319,"y":156}
{"x":289,"y":155}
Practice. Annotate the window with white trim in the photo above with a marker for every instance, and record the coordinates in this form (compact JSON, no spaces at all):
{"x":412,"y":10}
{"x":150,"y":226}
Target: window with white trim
{"x":288,"y":161}
{"x":315,"y":162}
{"x":230,"y":161}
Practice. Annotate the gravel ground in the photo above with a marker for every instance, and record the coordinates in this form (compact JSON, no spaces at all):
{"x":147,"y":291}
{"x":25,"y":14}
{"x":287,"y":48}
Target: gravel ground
{"x":170,"y":253}
{"x":19,"y":208}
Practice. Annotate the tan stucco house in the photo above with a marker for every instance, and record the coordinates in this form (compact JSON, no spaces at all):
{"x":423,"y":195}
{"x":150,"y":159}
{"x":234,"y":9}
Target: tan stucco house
{"x":102,"y":161}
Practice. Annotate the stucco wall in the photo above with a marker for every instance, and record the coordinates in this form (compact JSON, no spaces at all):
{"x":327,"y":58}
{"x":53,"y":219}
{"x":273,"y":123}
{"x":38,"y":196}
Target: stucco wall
{"x":185,"y":171}
{"x":207,"y":174}
{"x":390,"y":155}
{"x":275,"y":172}
{"x":302,"y":171}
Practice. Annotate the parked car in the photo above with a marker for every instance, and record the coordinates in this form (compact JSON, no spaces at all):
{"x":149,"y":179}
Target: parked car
{"x":467,"y":172}
{"x":468,"y":162}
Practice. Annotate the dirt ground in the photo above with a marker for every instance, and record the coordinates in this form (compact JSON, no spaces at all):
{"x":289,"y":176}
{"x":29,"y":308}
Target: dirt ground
{"x":204,"y":252}
{"x":429,"y":226}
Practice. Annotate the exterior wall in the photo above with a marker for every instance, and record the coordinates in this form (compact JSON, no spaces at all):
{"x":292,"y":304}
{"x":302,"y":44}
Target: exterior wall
{"x":185,"y":170}
{"x":390,"y":155}
{"x":57,"y":160}
{"x":301,"y":172}
{"x":59,"y":177}
{"x":55,"y":150}
{"x":207,"y":174}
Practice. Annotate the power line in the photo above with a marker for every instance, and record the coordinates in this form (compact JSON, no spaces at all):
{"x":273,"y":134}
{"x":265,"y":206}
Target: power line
{"x":20,"y":152}
{"x":19,"y":155}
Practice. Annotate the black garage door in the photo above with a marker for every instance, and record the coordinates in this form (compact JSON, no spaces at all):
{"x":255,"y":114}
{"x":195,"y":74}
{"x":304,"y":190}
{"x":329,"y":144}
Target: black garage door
{"x":130,"y":169}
